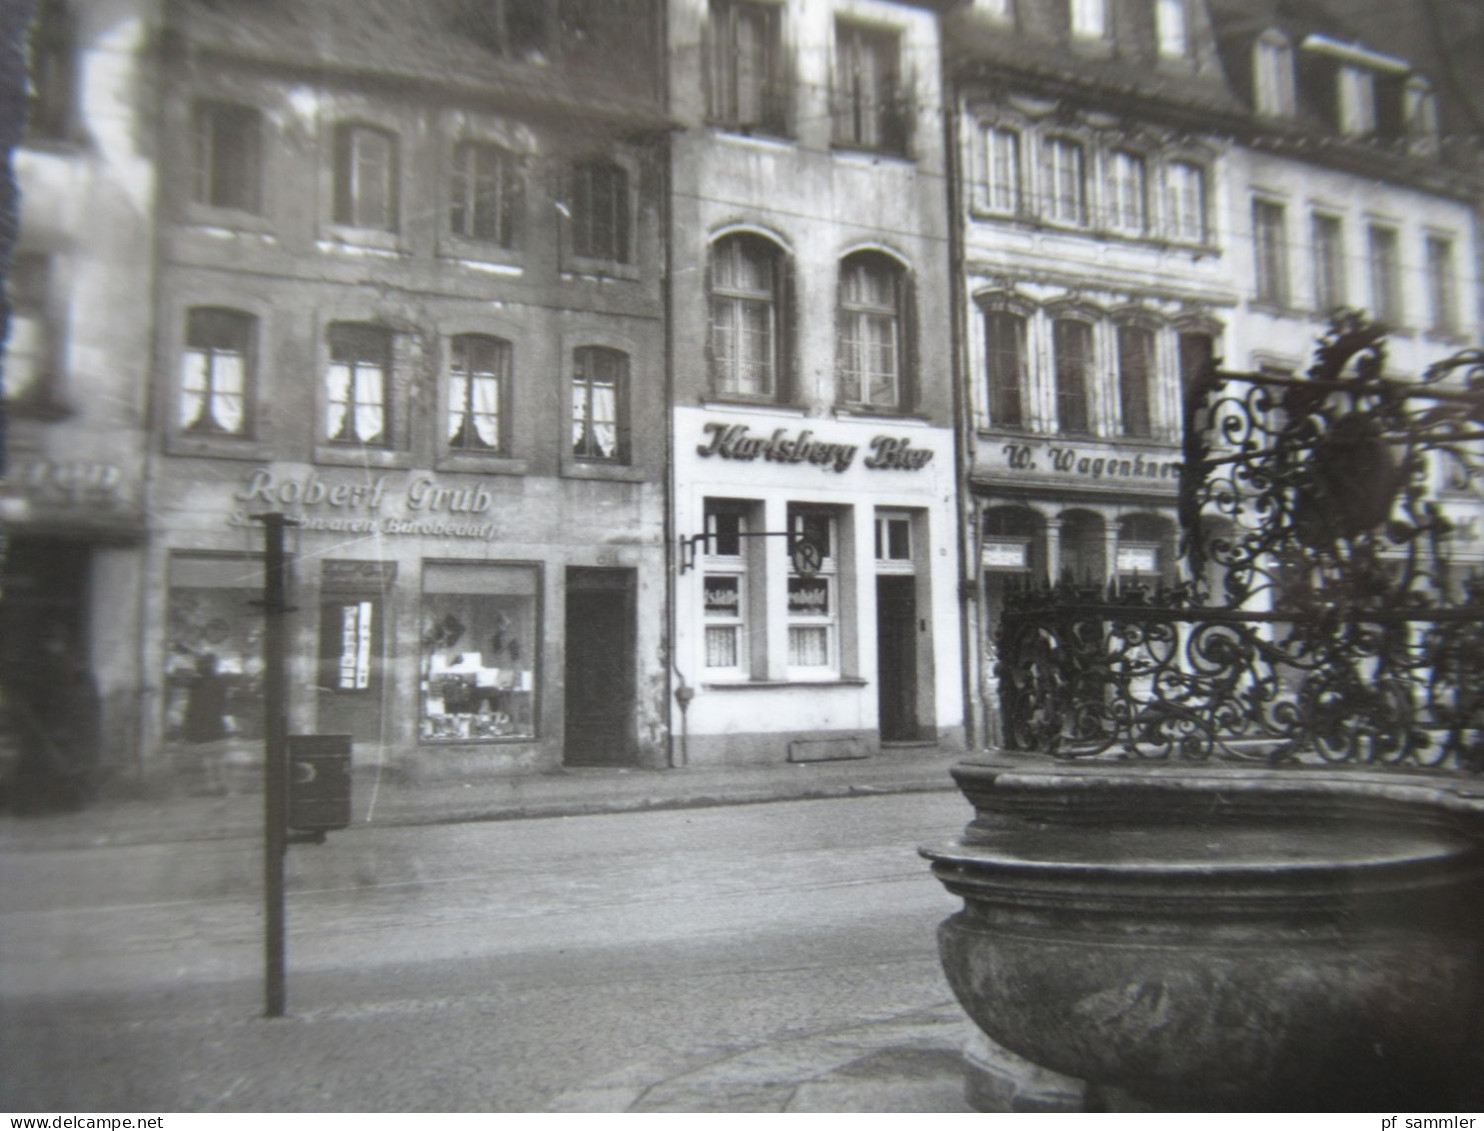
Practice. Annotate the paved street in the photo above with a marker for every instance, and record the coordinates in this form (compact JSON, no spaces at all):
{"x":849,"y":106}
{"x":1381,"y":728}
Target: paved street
{"x":758,"y":957}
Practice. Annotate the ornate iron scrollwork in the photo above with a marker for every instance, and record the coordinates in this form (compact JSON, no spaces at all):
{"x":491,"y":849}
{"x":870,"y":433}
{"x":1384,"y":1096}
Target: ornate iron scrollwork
{"x":1321,"y":618}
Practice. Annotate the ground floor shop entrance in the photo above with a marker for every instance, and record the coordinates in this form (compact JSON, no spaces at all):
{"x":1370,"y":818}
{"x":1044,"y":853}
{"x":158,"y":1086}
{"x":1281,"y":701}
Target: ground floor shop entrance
{"x":599,"y":722}
{"x":896,"y":657}
{"x":352,"y":622}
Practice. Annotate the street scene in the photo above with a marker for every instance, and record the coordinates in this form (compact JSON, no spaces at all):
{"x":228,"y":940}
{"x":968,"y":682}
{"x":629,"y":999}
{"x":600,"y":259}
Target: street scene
{"x":742,"y":555}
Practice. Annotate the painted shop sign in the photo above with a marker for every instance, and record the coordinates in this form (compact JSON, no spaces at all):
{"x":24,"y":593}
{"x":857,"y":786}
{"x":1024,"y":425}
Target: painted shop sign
{"x":439,"y":511}
{"x":70,"y":482}
{"x":1088,"y":465}
{"x":736,"y":442}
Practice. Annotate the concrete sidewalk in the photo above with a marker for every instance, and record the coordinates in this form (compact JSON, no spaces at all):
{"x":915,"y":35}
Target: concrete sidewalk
{"x":383,"y":799}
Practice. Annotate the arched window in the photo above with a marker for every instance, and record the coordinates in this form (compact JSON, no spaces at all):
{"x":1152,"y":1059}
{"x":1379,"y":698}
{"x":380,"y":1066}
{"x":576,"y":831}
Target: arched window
{"x":600,"y":390}
{"x":746,"y":330}
{"x":216,"y":371}
{"x":478,"y":394}
{"x":870,"y":347}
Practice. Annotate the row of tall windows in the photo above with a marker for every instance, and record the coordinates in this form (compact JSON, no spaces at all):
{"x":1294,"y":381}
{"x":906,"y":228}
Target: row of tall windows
{"x":1330,"y":260}
{"x":1089,"y":20}
{"x":484,"y":183}
{"x":1029,"y":172}
{"x":1074,"y":367}
{"x":218,"y":388}
{"x":748,"y":77}
{"x":749,"y":319}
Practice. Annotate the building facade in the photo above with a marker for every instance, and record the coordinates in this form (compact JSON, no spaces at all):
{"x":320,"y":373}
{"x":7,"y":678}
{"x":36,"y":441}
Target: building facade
{"x":816,"y":591}
{"x":410,"y":296}
{"x":77,"y":360}
{"x":1094,"y":275}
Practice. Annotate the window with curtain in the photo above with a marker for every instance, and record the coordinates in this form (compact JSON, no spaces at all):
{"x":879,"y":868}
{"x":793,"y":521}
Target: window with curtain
{"x":478,"y":392}
{"x":600,"y":211}
{"x":745,"y":331}
{"x":484,"y":194}
{"x":1063,"y":187}
{"x":357,"y":384}
{"x":724,"y":589}
{"x":600,"y":379}
{"x":745,"y":66}
{"x":868,"y":347}
{"x":1071,"y":342}
{"x":1135,"y":377}
{"x":1009,"y":375}
{"x":365,"y":177}
{"x":216,"y":371}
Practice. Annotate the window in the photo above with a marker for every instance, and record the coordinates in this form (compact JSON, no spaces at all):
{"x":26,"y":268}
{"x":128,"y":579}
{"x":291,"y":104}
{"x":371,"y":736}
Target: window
{"x":600,"y":211}
{"x":480,"y":647}
{"x":1062,"y":184}
{"x":1385,"y":270}
{"x":893,"y":538}
{"x":1169,"y":22}
{"x":1001,"y":169}
{"x":1272,"y":76}
{"x":1357,"y":101}
{"x":600,"y":383}
{"x":1420,"y":107}
{"x":745,"y":346}
{"x":996,"y":9}
{"x":868,"y":109}
{"x":1135,"y":374}
{"x":478,"y":392}
{"x":1197,"y":351}
{"x":1441,"y":290}
{"x":228,"y":158}
{"x":812,"y":614}
{"x":1072,"y":345}
{"x":1270,"y":251}
{"x":724,"y":585}
{"x":1009,"y":375}
{"x":212,"y":627}
{"x":357,"y":384}
{"x":1185,"y":201}
{"x":216,"y":372}
{"x":50,"y":71}
{"x":515,"y":29}
{"x":1089,"y":19}
{"x":484,"y":194}
{"x":28,"y":347}
{"x":1329,"y":263}
{"x":868,"y":348}
{"x":1127,"y":203}
{"x":365,"y":178}
{"x":746,"y":66}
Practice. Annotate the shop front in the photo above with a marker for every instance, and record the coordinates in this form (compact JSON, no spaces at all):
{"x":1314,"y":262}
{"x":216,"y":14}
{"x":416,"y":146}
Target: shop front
{"x":815,"y":594}
{"x":452,"y":625}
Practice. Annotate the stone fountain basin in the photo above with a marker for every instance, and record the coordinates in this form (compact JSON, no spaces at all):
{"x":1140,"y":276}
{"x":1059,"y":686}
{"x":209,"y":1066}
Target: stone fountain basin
{"x":1223,"y":937}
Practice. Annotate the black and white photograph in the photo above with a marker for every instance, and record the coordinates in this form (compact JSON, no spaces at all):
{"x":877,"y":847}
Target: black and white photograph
{"x":742,"y":556}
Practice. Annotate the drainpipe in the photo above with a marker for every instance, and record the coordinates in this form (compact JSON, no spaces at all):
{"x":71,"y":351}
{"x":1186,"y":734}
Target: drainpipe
{"x":963,"y":450}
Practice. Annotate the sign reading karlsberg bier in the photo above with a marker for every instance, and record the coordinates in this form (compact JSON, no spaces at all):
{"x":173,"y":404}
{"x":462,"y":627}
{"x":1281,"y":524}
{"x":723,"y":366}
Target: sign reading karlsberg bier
{"x":736,"y":442}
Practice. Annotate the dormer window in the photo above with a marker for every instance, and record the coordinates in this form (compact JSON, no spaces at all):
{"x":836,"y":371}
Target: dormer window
{"x":1420,"y":109}
{"x":1272,"y":76}
{"x":1357,"y":101}
{"x":1169,"y":24}
{"x":1089,"y":19}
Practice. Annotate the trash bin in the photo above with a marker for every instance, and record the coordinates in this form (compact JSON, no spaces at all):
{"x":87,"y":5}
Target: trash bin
{"x":319,"y":782}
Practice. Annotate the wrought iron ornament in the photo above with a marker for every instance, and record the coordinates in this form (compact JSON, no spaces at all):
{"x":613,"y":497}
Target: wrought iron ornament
{"x":1319,"y":618}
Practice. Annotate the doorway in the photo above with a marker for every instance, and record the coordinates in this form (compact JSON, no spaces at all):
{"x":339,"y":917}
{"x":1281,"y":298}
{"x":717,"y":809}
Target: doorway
{"x":350,"y":668}
{"x":600,"y":668}
{"x":896,"y":657}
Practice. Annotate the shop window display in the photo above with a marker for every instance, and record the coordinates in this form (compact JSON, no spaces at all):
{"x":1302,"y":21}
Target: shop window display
{"x":479,"y":653}
{"x":214,"y":664}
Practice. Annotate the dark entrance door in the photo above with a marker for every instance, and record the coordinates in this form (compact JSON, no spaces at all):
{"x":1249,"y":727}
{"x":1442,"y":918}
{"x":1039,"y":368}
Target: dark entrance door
{"x":600,"y":668}
{"x":896,"y":657}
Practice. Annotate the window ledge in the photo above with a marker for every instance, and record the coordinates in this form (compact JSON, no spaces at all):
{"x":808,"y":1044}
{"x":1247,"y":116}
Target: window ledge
{"x":361,"y":241}
{"x":778,"y":684}
{"x":481,"y":255}
{"x":866,"y":412}
{"x":355,"y":455}
{"x":577,"y":269}
{"x":620,"y":473}
{"x":480,"y":464}
{"x":844,"y":149}
{"x":234,"y":220}
{"x":1279,"y":310}
{"x":759,"y":404}
{"x":757,"y":136}
{"x":1447,"y":337}
{"x":218,"y":447}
